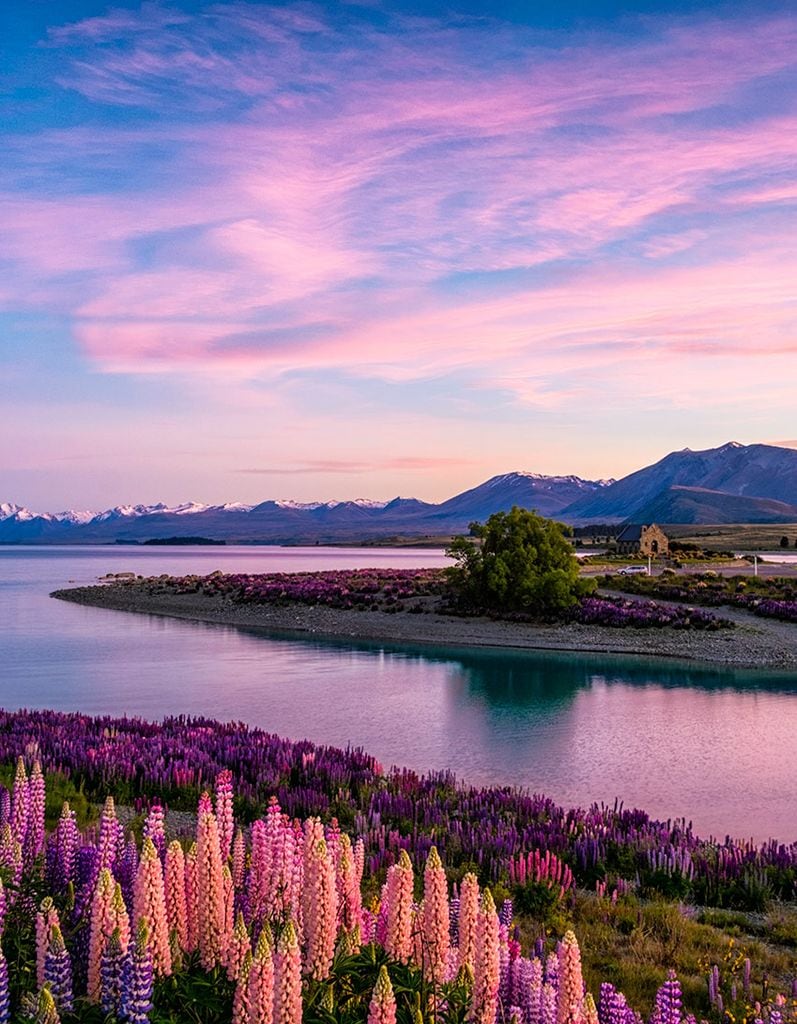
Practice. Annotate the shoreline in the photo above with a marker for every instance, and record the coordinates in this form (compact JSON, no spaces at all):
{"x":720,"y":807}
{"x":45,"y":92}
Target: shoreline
{"x":754,"y":644}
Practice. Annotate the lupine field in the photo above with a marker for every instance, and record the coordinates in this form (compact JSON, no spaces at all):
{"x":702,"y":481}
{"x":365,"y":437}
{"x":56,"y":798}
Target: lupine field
{"x":304,"y":883}
{"x":411,"y":590}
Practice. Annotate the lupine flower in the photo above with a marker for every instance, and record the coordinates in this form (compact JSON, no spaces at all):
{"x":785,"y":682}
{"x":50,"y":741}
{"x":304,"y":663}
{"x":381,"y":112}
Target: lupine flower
{"x":46,"y":919}
{"x":111,"y":835}
{"x":126,"y":869}
{"x":288,"y":978}
{"x":398,"y":939}
{"x":590,"y":1010}
{"x":62,"y":849}
{"x":19,"y":803}
{"x":548,"y":1003}
{"x":434,"y":922}
{"x":468,"y":915}
{"x":237,"y":949}
{"x":320,"y":910}
{"x":667,"y":1007}
{"x":191,"y":901}
{"x":137,"y":976}
{"x":238,"y":861}
{"x":112,"y":975}
{"x":5,"y":1002}
{"x":209,"y":891}
{"x":155,"y":829}
{"x":349,"y":898}
{"x":261,"y":981}
{"x":224,"y":813}
{"x":58,"y":971}
{"x":228,"y":912}
{"x":46,"y":1011}
{"x":3,"y":905}
{"x":240,"y":1003}
{"x":382,"y":1009}
{"x":570,"y":1007}
{"x":33,"y":843}
{"x":174,"y":888}
{"x":486,"y":970}
{"x":149,"y":905}
{"x":101,"y":928}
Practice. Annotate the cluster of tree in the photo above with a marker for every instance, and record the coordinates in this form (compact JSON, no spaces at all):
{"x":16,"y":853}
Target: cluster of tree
{"x":517,"y":561}
{"x":784,"y":542}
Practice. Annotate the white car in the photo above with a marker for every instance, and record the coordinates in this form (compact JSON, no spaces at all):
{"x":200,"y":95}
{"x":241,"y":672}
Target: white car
{"x":633,"y":570}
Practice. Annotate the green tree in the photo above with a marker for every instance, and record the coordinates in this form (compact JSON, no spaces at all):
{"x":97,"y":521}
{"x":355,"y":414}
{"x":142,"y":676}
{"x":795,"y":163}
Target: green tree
{"x":517,"y":561}
{"x":784,"y":542}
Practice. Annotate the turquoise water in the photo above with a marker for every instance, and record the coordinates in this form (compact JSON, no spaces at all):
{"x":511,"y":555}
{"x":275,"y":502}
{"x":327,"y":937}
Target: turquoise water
{"x":715,"y":746}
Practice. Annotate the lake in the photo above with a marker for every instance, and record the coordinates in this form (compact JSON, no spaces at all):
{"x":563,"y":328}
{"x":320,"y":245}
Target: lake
{"x":716,"y":746}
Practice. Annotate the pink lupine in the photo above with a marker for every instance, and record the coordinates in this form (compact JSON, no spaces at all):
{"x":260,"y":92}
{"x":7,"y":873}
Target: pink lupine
{"x":11,"y":855}
{"x":383,"y":1003}
{"x":349,"y":898}
{"x":237,"y":948}
{"x":320,"y":909}
{"x":261,"y":981}
{"x":487,"y":966}
{"x":435,"y":920}
{"x":149,"y":905}
{"x":191,"y":901}
{"x":19,"y":803}
{"x":224,"y":811}
{"x":380,"y":925}
{"x":288,"y":978}
{"x":174,"y":883}
{"x":34,"y":835}
{"x":228,"y":913}
{"x":46,"y":919}
{"x":210,"y":891}
{"x":590,"y":1010}
{"x":359,"y":860}
{"x":119,"y":919}
{"x":100,"y":930}
{"x":400,"y":881}
{"x":570,"y":1005}
{"x":468,"y":916}
{"x":155,"y":829}
{"x":241,"y":1010}
{"x":548,"y":1003}
{"x":238,"y":861}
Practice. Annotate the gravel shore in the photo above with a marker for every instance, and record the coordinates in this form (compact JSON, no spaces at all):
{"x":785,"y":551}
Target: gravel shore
{"x":755,"y":643}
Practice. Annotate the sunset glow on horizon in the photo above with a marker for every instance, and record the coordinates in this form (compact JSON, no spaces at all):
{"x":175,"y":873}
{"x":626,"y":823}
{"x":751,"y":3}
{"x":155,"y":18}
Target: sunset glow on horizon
{"x":314,"y":251}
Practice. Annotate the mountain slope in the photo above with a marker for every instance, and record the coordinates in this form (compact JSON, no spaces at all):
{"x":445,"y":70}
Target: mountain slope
{"x":698,"y":505}
{"x":756,"y":471}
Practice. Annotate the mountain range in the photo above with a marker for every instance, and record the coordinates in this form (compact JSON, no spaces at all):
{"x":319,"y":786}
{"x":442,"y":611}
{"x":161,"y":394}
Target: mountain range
{"x":732,"y":484}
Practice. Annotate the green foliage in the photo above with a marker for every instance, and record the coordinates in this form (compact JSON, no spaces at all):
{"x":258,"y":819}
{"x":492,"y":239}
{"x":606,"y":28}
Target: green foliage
{"x":541,"y":903}
{"x":523,"y":564}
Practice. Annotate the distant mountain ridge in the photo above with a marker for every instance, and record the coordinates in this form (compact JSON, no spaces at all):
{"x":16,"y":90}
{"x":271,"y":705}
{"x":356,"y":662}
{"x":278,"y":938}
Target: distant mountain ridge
{"x":733,"y":483}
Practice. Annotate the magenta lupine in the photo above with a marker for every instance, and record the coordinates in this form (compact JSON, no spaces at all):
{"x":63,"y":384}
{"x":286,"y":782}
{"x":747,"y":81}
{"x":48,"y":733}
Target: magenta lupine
{"x":382,"y":1009}
{"x":191,"y":901}
{"x":224,"y":811}
{"x":261,"y":981}
{"x":5,"y":1000}
{"x":34,"y":834}
{"x":174,"y":887}
{"x":46,"y":919}
{"x":320,"y":909}
{"x":210,"y":891}
{"x":237,"y":948}
{"x":468,"y":915}
{"x":288,"y":978}
{"x":137,"y":980}
{"x":238,"y":861}
{"x":530,"y":990}
{"x":570,"y":1005}
{"x":400,"y":882}
{"x":100,"y":929}
{"x":149,"y":905}
{"x":155,"y":829}
{"x":58,"y":971}
{"x":19,"y":803}
{"x":548,"y":1003}
{"x":241,"y":1013}
{"x":434,"y":920}
{"x":486,"y":967}
{"x":3,"y":906}
{"x":667,"y":1007}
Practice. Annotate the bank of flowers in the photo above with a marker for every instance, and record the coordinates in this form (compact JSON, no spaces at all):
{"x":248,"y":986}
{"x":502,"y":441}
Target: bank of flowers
{"x":267,"y":925}
{"x":768,"y":597}
{"x":483,"y":829}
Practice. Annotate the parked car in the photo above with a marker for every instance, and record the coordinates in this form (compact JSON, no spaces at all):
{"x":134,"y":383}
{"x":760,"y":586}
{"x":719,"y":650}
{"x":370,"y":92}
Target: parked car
{"x":633,"y":570}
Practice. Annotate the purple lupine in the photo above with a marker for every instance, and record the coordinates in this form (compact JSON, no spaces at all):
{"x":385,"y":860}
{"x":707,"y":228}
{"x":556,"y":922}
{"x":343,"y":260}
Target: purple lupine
{"x":34,"y":834}
{"x":112,"y":967}
{"x":506,"y":913}
{"x":667,"y":1006}
{"x":19,"y":803}
{"x":62,"y":849}
{"x":58,"y":971}
{"x":137,"y":978}
{"x":155,"y":829}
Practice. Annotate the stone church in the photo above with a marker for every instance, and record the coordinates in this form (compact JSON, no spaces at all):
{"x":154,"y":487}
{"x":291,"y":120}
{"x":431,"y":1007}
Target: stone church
{"x":644,"y":540}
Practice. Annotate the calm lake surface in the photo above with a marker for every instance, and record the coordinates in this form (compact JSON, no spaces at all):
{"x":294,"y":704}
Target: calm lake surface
{"x":718,"y":747}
